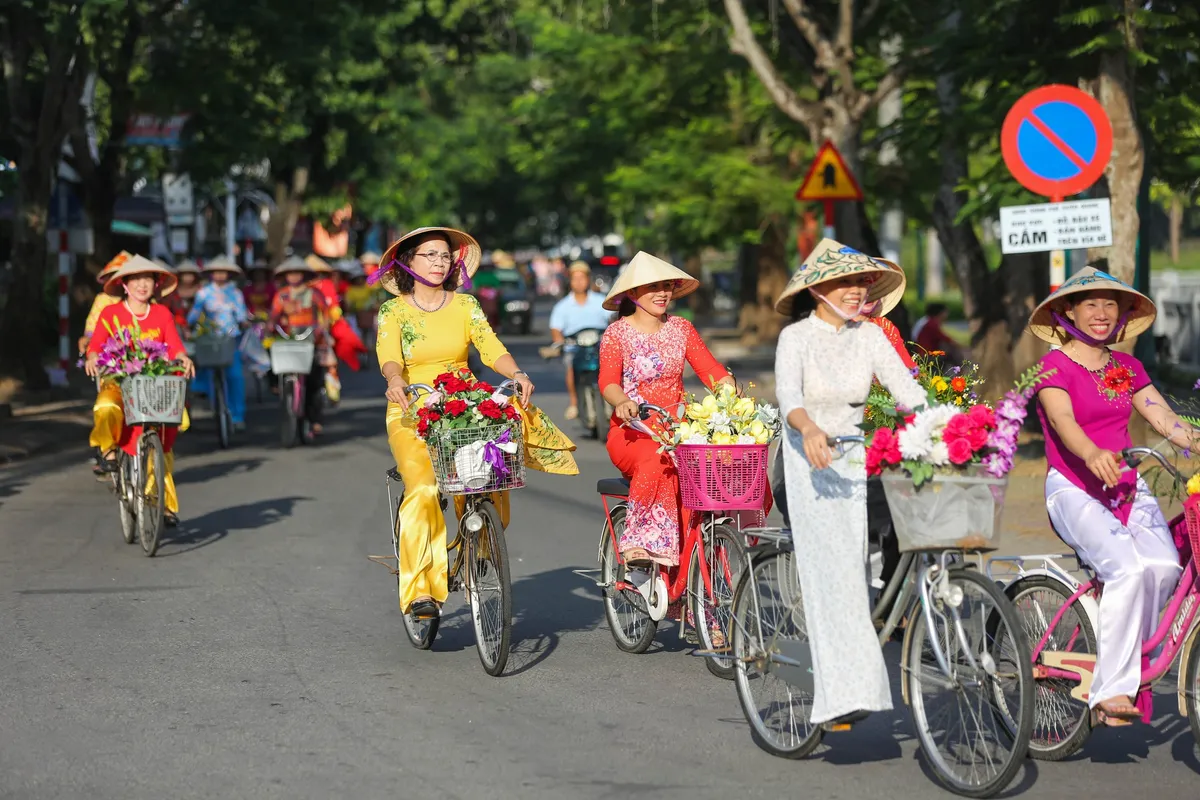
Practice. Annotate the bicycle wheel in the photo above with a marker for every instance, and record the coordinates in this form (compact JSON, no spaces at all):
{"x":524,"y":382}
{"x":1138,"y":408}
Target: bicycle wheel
{"x":221,"y":409}
{"x":420,"y":632}
{"x":1192,"y":687}
{"x":489,"y":590}
{"x":625,"y":609}
{"x":1061,"y":723}
{"x":150,"y":491}
{"x":290,"y":422}
{"x":973,"y":742}
{"x":123,"y":483}
{"x":769,"y":626}
{"x":725,"y":556}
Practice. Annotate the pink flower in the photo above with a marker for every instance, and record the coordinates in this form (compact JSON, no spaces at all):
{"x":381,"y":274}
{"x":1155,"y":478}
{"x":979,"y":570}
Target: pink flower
{"x":982,"y":416}
{"x":958,"y":427}
{"x":960,"y":451}
{"x":977,"y":438}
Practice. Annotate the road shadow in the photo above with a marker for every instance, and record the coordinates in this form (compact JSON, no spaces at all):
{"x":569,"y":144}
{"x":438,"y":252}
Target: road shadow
{"x":1132,"y":745}
{"x":202,"y":473}
{"x":192,"y":534}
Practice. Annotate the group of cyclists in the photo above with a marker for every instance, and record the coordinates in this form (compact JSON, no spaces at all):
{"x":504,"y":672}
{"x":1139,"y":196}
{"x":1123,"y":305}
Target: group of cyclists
{"x":179,"y":304}
{"x":836,"y":346}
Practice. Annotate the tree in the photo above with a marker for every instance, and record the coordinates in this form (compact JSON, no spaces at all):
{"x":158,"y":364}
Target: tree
{"x":45,"y":67}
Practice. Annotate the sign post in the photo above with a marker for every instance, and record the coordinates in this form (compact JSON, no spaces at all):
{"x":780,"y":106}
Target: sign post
{"x":1056,"y":142}
{"x":829,"y":180}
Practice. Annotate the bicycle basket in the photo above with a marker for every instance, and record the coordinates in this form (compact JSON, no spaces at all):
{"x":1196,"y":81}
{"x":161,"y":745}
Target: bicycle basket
{"x":722,"y":477}
{"x":1187,"y":541}
{"x":477,"y":460}
{"x":292,"y":358}
{"x":214,"y":352}
{"x":949,"y":512}
{"x":153,"y":400}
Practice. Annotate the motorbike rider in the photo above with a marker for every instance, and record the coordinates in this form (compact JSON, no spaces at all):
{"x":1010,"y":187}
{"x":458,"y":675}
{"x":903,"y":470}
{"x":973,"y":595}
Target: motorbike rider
{"x":580,"y":310}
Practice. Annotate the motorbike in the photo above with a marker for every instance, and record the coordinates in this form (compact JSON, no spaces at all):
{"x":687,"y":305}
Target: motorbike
{"x":585,"y":364}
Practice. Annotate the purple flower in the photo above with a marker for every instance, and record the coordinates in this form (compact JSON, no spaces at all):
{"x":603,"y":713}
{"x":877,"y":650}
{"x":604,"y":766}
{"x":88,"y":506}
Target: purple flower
{"x":1196,"y":387}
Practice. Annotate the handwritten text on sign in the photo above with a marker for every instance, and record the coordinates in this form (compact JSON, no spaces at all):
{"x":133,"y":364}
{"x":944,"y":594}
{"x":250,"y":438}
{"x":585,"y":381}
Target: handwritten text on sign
{"x":1056,"y":226}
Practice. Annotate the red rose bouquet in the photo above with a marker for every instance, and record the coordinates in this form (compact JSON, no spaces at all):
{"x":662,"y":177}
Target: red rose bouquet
{"x":458,"y":401}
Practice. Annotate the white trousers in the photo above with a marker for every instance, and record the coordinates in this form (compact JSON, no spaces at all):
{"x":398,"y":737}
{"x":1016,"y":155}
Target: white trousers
{"x":1137,"y":563}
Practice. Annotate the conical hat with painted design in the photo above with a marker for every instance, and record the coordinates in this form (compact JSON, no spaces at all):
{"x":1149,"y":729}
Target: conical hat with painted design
{"x":1140,"y":309}
{"x":831,"y":260}
{"x":114,"y":265}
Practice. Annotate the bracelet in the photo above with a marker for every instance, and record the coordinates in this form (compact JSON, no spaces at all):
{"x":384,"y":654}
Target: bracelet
{"x":521,"y":372}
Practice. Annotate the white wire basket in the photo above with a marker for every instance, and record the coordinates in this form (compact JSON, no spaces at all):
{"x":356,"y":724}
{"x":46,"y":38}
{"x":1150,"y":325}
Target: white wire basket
{"x":478,"y":460}
{"x":214,"y":352}
{"x":157,"y":400}
{"x":292,"y":358}
{"x":949,"y":512}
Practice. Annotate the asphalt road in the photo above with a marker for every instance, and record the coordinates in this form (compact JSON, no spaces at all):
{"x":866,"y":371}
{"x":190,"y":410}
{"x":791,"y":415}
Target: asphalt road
{"x":261,"y":654}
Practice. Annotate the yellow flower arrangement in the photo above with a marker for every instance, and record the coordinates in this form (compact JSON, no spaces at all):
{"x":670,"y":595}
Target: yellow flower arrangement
{"x":1193,"y":484}
{"x":722,"y":417}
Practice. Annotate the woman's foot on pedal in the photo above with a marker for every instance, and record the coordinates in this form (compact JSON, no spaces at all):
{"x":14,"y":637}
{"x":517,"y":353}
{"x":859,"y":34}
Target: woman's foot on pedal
{"x":846,"y":720}
{"x":424,"y":608}
{"x":1116,"y":712}
{"x":637,"y":557}
{"x":171,"y":519}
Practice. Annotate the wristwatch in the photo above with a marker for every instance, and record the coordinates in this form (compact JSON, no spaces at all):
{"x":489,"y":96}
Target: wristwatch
{"x":521,"y":372}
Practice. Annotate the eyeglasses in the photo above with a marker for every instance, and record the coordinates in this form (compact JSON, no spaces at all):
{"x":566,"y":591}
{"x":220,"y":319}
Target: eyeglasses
{"x":434,"y":255}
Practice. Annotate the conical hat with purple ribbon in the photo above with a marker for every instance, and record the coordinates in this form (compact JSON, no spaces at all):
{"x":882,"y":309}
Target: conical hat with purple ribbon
{"x":831,"y":260}
{"x":462,"y":246}
{"x":1139,"y":310}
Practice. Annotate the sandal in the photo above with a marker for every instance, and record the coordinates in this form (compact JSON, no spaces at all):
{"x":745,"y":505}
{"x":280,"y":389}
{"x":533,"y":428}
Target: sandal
{"x":638,"y":557}
{"x":1115,"y":714}
{"x":170,"y":519}
{"x":425,"y":608}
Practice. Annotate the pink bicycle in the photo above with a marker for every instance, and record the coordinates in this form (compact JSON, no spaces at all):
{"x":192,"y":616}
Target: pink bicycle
{"x":1061,"y":614}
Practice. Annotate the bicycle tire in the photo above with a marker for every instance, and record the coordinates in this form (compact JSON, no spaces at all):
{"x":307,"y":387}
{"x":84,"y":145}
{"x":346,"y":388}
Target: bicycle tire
{"x":722,"y":539}
{"x":290,"y":424}
{"x":151,"y":498}
{"x":1018,"y":664}
{"x":126,"y":504}
{"x":638,"y":635}
{"x":1042,"y":744}
{"x":221,"y":409}
{"x":1192,"y":687}
{"x":752,"y":651}
{"x":492,"y":641}
{"x":420,"y":632}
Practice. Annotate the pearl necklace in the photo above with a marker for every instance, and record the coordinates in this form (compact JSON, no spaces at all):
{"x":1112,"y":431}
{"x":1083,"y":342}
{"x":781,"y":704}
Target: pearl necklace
{"x":131,"y":312}
{"x":417,"y":303}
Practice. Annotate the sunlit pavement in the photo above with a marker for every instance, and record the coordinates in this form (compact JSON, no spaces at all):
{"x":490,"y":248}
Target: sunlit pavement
{"x":260,"y":654}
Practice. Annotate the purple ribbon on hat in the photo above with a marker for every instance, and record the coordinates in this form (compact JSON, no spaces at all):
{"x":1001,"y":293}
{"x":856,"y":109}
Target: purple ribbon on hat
{"x":1075,"y":333}
{"x":459,"y":265}
{"x":494,"y":456}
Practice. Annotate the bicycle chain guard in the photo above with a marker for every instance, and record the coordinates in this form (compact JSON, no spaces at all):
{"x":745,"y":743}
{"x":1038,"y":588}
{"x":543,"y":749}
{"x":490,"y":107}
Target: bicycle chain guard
{"x":652,"y":588}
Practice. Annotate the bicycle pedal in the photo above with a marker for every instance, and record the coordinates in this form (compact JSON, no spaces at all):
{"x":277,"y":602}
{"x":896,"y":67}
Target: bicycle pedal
{"x":840,"y":727}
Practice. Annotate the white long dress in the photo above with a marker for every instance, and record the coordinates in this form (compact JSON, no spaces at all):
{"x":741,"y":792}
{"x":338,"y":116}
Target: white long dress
{"x":827,"y":371}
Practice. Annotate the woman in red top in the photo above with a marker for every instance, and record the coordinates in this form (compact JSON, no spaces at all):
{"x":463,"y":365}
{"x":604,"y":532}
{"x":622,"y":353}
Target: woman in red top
{"x":642,"y":356}
{"x":139,"y":281}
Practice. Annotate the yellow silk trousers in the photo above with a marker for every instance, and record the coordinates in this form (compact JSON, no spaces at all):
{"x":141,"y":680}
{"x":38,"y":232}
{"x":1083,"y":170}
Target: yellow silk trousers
{"x":108,"y":420}
{"x":423,"y":562}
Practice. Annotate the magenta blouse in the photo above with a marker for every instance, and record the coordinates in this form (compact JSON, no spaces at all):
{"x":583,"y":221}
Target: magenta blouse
{"x":1102,"y":401}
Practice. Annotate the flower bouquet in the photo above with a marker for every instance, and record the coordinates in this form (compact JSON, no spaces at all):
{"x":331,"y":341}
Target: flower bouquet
{"x":151,"y":389}
{"x":955,"y":386}
{"x":720,"y":450}
{"x":473,"y":434}
{"x":945,"y":468}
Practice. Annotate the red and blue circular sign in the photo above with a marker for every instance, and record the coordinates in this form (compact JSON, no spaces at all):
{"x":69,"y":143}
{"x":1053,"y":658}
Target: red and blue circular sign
{"x":1056,"y":141}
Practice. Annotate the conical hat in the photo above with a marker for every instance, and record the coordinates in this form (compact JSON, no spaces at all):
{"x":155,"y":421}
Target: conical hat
{"x":187,"y":266}
{"x":137,"y":265}
{"x":369,"y":257}
{"x":112,"y":266}
{"x":294,"y":264}
{"x":644,"y":269}
{"x":831,"y":260}
{"x":462,"y":246}
{"x":1141,"y":310}
{"x":317,"y":264}
{"x":223,"y":264}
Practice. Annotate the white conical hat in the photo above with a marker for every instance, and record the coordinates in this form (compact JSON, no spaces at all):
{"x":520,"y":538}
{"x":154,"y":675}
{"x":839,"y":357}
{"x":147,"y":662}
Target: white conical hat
{"x":139,"y":265}
{"x":223,"y":264}
{"x":645,"y":269}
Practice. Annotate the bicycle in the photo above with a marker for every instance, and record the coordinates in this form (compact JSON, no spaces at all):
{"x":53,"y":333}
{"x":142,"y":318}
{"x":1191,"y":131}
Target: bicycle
{"x":1064,"y":613}
{"x":214,"y":353}
{"x":585,"y":365}
{"x":478,"y":540}
{"x":637,"y":599}
{"x":139,"y":480}
{"x":291,"y":362}
{"x":949,"y":643}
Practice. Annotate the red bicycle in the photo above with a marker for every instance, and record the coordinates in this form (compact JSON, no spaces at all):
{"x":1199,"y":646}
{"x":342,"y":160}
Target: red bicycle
{"x":711,"y":559}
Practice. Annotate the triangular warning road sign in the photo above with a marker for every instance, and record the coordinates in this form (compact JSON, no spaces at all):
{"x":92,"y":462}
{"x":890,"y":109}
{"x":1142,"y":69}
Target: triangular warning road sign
{"x":828,"y":178}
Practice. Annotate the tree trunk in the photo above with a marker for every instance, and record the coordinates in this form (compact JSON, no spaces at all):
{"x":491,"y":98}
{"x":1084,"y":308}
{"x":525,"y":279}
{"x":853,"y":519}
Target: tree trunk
{"x":1176,"y":225}
{"x":24,"y":320}
{"x":1114,"y":90}
{"x":289,"y":201}
{"x":759,"y":322}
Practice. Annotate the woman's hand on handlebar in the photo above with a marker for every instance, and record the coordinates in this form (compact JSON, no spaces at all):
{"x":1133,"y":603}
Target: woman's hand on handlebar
{"x":526,"y":388}
{"x":397,"y":391}
{"x":189,"y":369}
{"x":626,"y":411}
{"x":90,"y":366}
{"x":816,"y":447}
{"x":1105,"y":465}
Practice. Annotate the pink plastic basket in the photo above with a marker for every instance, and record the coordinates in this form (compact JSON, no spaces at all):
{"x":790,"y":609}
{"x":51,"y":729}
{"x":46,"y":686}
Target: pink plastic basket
{"x":722,"y":477}
{"x":1187,"y":535}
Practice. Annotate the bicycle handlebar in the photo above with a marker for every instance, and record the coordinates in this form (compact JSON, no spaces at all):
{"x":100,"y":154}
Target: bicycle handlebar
{"x":415,"y":390}
{"x":1133,"y":456}
{"x":299,"y":337}
{"x":838,"y":441}
{"x":646,"y":409}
